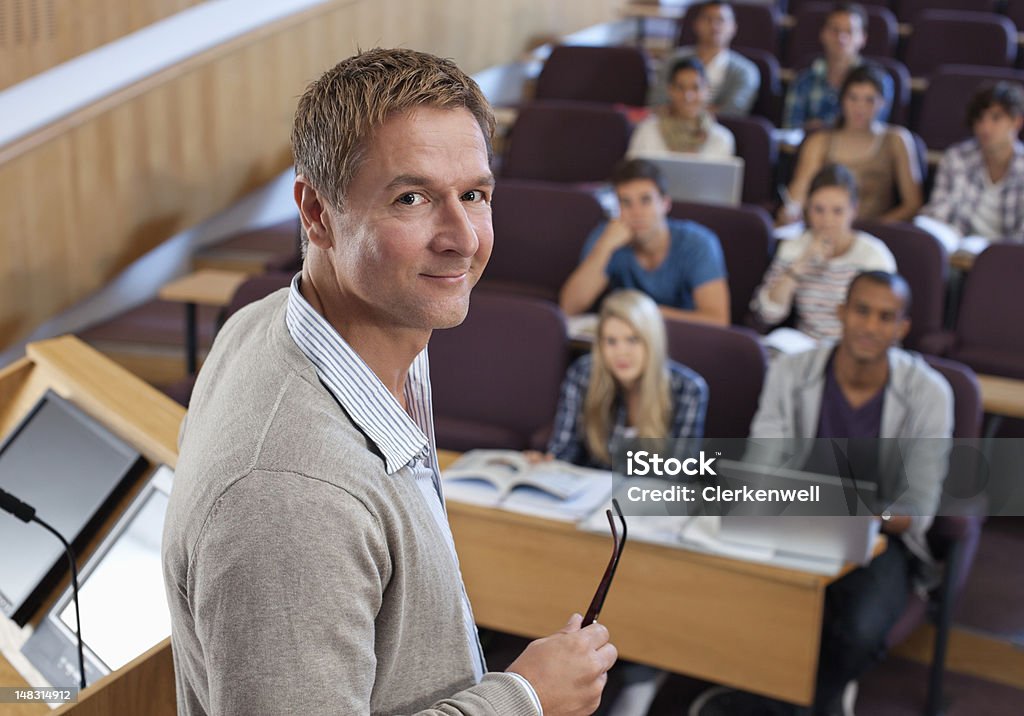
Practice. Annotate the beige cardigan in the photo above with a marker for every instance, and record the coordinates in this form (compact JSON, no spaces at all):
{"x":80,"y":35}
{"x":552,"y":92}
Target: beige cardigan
{"x":301,"y":578}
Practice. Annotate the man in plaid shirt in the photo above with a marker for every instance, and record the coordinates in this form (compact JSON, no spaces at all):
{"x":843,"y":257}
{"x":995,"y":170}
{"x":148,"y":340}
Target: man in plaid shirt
{"x":813,"y":99}
{"x":979,"y":189}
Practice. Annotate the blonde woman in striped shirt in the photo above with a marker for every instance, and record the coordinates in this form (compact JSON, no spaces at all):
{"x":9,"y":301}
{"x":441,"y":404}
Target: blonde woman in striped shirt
{"x":811,"y":273}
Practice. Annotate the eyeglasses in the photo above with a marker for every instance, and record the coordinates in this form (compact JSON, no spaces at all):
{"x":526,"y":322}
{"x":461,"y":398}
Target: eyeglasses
{"x":609,"y":573}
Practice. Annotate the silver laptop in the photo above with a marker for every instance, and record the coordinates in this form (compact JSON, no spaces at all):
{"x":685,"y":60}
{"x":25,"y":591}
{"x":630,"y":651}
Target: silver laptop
{"x":841,"y":537}
{"x":845,"y":539}
{"x":704,"y":180}
{"x":121,"y":591}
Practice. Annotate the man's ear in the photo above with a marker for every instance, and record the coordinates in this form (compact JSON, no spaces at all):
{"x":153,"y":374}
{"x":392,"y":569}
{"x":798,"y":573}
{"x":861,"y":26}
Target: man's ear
{"x":666,"y":203}
{"x":841,"y":312}
{"x":313,"y":213}
{"x":903,"y":330}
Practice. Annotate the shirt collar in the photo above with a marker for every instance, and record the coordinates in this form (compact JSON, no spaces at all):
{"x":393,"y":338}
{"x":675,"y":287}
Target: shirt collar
{"x":374,"y":410}
{"x":719,"y":61}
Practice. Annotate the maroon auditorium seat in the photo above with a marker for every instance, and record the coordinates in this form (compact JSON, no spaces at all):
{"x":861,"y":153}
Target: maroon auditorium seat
{"x":945,"y":37}
{"x":539,"y":232}
{"x":571,"y":142}
{"x":496,"y":377}
{"x":922,"y":260}
{"x":745,"y":233}
{"x":612,"y":75}
{"x":734,"y":385}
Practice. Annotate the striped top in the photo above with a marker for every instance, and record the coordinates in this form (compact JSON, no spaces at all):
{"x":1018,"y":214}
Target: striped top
{"x":820,"y":291}
{"x":405,"y":437}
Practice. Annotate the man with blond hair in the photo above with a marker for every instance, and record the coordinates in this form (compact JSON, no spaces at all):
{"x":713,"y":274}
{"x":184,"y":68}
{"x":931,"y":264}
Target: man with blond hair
{"x":307,"y":556}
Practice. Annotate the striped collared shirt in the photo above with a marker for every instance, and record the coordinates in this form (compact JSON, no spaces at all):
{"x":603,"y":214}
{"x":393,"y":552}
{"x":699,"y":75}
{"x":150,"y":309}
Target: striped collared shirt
{"x":405,"y":439}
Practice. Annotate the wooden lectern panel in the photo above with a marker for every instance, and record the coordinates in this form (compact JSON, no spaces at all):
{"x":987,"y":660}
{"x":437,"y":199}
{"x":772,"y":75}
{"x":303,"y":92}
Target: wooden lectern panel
{"x":149,"y":420}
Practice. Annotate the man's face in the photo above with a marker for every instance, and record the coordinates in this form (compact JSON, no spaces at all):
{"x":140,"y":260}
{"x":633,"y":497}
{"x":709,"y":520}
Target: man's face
{"x":643,"y":208}
{"x":416,"y":231}
{"x":843,"y":36}
{"x":688,"y":94}
{"x":873,"y":319}
{"x":715,"y":26}
{"x":996,"y":129}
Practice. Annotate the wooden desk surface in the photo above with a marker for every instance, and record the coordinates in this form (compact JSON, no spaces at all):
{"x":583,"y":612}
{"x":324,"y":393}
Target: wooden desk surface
{"x":735,"y":623}
{"x":652,"y":10}
{"x":742,"y":624}
{"x":1002,"y":396}
{"x":208,"y":287}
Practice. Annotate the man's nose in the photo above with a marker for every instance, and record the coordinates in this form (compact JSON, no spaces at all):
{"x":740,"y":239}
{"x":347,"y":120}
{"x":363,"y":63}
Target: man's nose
{"x":457,"y":231}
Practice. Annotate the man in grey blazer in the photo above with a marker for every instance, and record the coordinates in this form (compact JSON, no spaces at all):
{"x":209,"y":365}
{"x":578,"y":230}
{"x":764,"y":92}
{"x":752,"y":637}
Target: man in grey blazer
{"x":308,"y":562}
{"x":862,"y":387}
{"x":734,"y":80}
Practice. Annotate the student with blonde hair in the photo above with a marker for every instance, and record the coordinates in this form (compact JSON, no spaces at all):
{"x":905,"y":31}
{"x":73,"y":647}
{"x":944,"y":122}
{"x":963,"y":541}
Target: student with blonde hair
{"x":626,"y":386}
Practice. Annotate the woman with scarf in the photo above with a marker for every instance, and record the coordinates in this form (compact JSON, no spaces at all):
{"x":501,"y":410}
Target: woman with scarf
{"x":684,"y":125}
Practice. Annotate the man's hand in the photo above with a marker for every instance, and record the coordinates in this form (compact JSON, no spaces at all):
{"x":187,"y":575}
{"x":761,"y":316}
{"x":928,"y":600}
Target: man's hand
{"x":616,"y":235}
{"x":568,"y":669}
{"x":588,"y":280}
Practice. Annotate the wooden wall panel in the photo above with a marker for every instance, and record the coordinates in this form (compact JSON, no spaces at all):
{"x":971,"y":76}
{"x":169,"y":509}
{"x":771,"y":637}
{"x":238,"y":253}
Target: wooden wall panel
{"x":36,"y":35}
{"x":81,"y":199}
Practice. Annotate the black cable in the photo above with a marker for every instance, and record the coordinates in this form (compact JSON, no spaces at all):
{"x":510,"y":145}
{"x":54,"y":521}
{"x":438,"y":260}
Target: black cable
{"x":27,"y":513}
{"x":74,"y":591}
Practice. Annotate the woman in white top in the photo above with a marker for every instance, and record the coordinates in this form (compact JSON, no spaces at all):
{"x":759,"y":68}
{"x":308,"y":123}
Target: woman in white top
{"x":812,"y":272}
{"x":683,"y":125}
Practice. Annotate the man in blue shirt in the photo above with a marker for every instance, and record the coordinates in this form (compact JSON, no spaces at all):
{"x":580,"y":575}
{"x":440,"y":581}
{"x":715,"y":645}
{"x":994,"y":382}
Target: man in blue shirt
{"x":677,"y":263}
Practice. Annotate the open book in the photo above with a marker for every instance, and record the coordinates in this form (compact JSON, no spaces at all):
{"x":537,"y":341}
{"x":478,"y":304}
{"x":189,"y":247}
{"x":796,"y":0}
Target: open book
{"x":582,"y":328}
{"x":506,"y":479}
{"x":951,"y":238}
{"x":788,"y":340}
{"x":702,"y":533}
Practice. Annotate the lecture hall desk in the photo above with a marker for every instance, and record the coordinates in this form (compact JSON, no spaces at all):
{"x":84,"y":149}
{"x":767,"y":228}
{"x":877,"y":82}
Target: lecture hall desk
{"x":737,"y":623}
{"x":746,"y":625}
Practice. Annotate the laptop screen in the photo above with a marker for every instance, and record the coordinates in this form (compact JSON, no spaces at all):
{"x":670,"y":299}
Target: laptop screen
{"x":70,"y":469}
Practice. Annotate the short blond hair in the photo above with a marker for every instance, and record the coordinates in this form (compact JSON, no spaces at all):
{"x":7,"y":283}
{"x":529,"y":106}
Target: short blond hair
{"x":339,"y":112}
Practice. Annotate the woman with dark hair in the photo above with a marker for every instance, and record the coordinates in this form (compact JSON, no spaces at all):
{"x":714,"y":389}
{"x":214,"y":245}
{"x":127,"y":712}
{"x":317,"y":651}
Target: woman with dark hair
{"x":812,"y":272}
{"x":684,"y":124}
{"x":882,"y":157}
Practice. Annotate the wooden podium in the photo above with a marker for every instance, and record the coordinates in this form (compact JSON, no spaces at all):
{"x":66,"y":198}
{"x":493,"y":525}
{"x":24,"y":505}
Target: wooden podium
{"x":147,"y":419}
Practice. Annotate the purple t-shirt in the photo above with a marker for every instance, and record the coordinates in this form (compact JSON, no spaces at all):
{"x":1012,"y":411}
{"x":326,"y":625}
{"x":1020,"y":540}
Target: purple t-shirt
{"x":839,"y":419}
